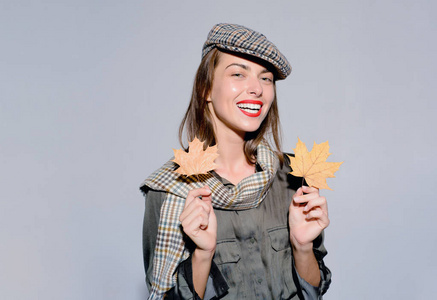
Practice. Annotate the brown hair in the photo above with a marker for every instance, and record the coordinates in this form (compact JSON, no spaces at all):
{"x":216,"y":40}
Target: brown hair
{"x":197,"y":121}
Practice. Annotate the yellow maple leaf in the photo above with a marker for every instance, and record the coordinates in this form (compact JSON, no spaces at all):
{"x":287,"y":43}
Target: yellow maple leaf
{"x":312,"y":165}
{"x":196,"y":161}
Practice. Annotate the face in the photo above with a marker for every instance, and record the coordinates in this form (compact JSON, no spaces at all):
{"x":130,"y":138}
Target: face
{"x":241,"y":96}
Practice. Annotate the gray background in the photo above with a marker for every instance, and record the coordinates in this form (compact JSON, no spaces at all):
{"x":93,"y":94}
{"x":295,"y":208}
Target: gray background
{"x":92,"y":93}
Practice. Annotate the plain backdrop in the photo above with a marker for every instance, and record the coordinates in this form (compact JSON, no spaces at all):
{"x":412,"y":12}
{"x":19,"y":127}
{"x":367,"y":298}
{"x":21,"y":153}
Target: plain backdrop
{"x":92,"y":93}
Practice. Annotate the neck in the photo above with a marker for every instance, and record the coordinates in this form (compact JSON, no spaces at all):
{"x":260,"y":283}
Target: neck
{"x":232,"y":162}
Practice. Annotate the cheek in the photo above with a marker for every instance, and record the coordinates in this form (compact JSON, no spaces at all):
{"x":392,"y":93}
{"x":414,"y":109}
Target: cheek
{"x":267,"y":109}
{"x":269,"y":96}
{"x":215,"y":94}
{"x":225,"y":91}
{"x":268,"y":104}
{"x":234,"y":88}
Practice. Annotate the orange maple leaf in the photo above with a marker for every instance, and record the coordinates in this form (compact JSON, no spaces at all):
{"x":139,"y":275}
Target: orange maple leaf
{"x":196,"y":161}
{"x":312,"y":165}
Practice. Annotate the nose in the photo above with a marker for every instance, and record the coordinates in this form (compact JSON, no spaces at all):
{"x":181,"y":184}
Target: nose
{"x":254,"y":87}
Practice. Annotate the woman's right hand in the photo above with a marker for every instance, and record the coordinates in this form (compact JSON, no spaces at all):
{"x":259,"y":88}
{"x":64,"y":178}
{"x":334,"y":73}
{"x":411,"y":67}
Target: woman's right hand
{"x":199,"y":221}
{"x":200,"y":224}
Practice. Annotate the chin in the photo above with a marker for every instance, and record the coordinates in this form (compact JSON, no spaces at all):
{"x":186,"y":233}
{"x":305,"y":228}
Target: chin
{"x":251,"y":128}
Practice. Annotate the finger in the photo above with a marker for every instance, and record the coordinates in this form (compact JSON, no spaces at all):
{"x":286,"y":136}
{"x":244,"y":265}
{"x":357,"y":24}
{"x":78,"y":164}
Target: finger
{"x":195,"y":225}
{"x":319,"y":215}
{"x":316,"y":213}
{"x":199,"y":192}
{"x":195,"y":193}
{"x":207,"y":207}
{"x":309,"y":189}
{"x":317,"y":202}
{"x":199,"y":217}
{"x":298,"y":193}
{"x":306,"y":197}
{"x":211,"y":214}
{"x":196,"y":206}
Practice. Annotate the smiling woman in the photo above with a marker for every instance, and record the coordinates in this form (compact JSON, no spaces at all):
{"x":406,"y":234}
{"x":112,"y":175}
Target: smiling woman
{"x":246,"y":229}
{"x":241,"y":96}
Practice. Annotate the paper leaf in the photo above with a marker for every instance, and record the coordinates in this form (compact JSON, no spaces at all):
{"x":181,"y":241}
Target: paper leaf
{"x":312,"y":165}
{"x":196,"y":161}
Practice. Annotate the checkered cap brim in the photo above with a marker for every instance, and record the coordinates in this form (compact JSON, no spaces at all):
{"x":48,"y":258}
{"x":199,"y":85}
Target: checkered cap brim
{"x":237,"y":38}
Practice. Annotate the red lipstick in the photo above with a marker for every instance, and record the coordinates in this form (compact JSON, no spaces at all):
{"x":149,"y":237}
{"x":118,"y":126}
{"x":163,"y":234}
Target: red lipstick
{"x":251,"y":108}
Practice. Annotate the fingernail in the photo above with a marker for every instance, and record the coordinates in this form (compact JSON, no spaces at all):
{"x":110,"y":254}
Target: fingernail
{"x":305,"y":208}
{"x":296,"y":198}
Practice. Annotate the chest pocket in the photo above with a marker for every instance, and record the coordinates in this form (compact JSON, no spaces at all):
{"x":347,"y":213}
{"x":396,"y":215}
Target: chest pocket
{"x":282,"y":261}
{"x":227,"y":251}
{"x":227,"y":257}
{"x":279,"y":238}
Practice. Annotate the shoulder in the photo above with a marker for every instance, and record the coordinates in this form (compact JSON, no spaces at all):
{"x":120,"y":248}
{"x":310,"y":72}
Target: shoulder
{"x":153,"y":188}
{"x":161,"y":178}
{"x":152,"y":194}
{"x":285,"y":166}
{"x":284,"y":173}
{"x":154,"y":200}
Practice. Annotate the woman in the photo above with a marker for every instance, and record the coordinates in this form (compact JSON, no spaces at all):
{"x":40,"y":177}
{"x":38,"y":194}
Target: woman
{"x":247,"y":229}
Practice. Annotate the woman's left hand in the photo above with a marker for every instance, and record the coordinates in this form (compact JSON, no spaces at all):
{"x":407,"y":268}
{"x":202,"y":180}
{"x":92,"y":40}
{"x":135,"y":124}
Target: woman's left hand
{"x":308,"y":216}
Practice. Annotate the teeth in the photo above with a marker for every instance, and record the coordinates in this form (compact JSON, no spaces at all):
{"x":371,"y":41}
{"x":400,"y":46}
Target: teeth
{"x":249,"y":106}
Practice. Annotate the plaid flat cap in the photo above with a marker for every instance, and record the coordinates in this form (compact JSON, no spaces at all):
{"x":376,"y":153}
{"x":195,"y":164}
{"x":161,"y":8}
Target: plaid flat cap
{"x":237,"y":38}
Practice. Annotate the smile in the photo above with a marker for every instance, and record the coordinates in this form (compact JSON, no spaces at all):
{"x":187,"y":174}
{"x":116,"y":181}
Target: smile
{"x":251,"y":108}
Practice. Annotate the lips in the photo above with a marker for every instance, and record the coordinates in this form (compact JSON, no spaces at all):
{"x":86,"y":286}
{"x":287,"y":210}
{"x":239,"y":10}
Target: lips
{"x":251,"y":108}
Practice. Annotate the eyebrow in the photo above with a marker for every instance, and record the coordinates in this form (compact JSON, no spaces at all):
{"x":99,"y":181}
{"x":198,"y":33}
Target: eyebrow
{"x":238,"y":65}
{"x":245,"y":67}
